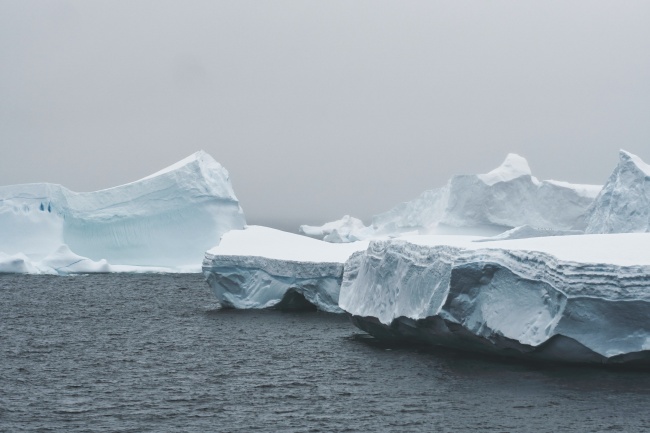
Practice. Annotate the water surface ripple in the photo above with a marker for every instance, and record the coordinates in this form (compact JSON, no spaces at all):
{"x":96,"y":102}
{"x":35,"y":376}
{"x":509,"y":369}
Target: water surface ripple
{"x":154,"y":353}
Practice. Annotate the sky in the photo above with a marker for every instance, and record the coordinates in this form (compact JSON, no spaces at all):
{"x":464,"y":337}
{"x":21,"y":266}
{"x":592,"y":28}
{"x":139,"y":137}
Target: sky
{"x":320,"y":108}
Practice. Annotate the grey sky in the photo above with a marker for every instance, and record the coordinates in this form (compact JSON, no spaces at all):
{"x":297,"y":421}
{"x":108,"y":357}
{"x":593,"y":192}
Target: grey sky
{"x":324,"y":108}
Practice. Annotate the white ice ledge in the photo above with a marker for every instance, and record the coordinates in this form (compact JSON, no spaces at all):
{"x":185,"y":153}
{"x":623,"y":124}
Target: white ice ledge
{"x":259,"y":267}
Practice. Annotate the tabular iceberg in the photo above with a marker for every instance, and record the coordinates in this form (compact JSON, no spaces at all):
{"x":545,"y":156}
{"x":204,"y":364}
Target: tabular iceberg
{"x":167,"y":219}
{"x":623,"y":206}
{"x":485,"y":204}
{"x":569,"y":298}
{"x":260,"y":267}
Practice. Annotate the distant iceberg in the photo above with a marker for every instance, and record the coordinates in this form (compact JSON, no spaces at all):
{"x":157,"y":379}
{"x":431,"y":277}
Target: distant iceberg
{"x":165,"y":220}
{"x":347,"y":229}
{"x":485,"y":204}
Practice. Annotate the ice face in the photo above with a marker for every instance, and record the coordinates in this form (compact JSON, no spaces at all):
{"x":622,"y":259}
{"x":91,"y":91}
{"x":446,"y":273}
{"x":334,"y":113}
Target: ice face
{"x":260,"y":267}
{"x":623,"y":206}
{"x":167,"y":219}
{"x":571,"y":298}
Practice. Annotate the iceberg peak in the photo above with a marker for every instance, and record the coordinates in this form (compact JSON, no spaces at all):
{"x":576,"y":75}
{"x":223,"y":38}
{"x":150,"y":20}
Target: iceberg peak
{"x":623,"y":205}
{"x":200,"y":159}
{"x":627,"y":157}
{"x":512,"y":167}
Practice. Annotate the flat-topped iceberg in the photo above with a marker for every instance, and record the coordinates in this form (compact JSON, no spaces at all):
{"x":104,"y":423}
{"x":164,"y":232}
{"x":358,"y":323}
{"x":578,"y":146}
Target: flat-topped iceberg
{"x":570,"y":298}
{"x":260,"y":267}
{"x":167,"y":219}
{"x":485,"y":204}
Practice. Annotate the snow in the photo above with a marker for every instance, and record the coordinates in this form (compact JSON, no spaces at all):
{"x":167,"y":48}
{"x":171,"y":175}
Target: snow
{"x":276,"y":244}
{"x":621,"y":249}
{"x":257,"y":268}
{"x":524,"y":232}
{"x":637,"y":161}
{"x":166,"y":220}
{"x":573,"y":298}
{"x":513,"y":167}
{"x":347,"y":229}
{"x":623,"y":206}
{"x":582,"y":189}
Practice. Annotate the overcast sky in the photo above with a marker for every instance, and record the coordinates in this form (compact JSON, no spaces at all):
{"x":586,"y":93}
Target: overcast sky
{"x":321,"y":108}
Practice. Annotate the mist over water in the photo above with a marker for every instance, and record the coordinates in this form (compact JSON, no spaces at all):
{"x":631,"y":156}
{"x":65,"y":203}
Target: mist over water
{"x":147,"y":353}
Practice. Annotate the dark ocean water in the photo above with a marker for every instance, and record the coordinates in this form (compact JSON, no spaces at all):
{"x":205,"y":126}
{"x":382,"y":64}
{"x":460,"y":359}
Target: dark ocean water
{"x":154,"y":353}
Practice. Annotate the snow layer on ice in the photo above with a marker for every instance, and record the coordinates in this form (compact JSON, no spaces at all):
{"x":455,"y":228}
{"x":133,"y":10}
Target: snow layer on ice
{"x":259,"y":267}
{"x":576,"y":298}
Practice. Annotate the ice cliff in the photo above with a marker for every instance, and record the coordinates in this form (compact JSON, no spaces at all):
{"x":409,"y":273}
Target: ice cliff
{"x":485,"y":204}
{"x":623,"y":205}
{"x":570,"y":298}
{"x":166,"y":219}
{"x":260,"y":267}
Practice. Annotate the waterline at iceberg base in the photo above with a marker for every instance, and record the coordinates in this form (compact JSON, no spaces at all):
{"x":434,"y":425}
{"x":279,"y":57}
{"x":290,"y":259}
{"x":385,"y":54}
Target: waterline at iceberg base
{"x":260,"y":267}
{"x":533,"y":300}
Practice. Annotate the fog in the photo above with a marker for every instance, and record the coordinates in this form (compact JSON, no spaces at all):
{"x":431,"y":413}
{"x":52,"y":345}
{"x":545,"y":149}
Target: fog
{"x":320,"y":108}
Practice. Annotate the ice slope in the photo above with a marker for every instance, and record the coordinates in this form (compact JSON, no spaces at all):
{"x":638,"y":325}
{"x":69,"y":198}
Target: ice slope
{"x":623,"y":206}
{"x":347,"y":229}
{"x":507,"y":197}
{"x":260,"y":267}
{"x":167,"y":219}
{"x":570,"y":298}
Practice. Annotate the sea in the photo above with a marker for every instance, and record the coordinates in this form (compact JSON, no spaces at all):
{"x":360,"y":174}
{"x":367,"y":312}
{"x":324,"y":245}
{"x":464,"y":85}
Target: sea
{"x":156,"y":353}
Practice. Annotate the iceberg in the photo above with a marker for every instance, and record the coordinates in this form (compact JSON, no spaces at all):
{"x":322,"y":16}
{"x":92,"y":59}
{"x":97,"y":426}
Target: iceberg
{"x":485,"y":205}
{"x":562,"y":298}
{"x":507,"y":197}
{"x":623,"y":205}
{"x":165,"y":220}
{"x":346,"y":229}
{"x":260,"y":267}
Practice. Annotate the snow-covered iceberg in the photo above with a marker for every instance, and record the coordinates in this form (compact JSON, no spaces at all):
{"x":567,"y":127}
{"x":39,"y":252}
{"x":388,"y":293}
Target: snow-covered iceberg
{"x":167,"y":219}
{"x":346,"y":229}
{"x":623,"y":205}
{"x":570,"y":298}
{"x":260,"y":267}
{"x":485,"y":204}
